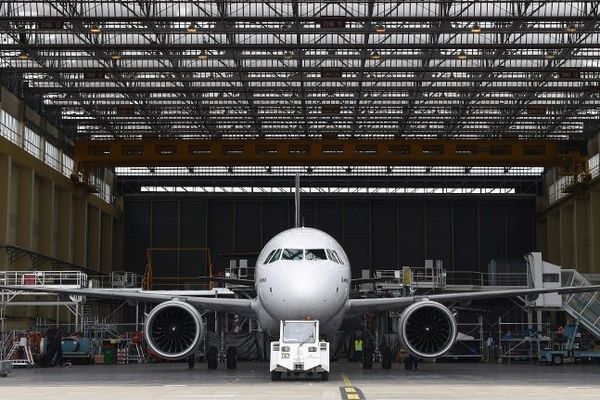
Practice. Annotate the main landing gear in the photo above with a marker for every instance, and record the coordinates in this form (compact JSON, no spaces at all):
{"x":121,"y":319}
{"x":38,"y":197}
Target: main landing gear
{"x":212,"y":357}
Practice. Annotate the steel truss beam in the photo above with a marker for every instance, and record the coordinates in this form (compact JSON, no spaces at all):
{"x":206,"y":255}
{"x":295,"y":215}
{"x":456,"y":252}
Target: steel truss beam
{"x":392,"y":152}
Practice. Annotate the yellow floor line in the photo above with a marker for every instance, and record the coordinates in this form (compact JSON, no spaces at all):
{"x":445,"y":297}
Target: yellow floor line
{"x":346,"y":380}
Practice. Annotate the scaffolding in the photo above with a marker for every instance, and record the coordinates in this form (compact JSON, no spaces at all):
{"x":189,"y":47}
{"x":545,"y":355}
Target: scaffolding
{"x":521,"y":341}
{"x":470,"y":342}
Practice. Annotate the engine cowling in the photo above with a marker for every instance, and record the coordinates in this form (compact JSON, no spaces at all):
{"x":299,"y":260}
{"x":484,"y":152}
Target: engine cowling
{"x":427,"y":329}
{"x":174,"y":329}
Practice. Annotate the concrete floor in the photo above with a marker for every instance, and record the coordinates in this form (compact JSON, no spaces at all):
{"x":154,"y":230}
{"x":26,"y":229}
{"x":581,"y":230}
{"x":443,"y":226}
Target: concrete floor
{"x":252,"y":381}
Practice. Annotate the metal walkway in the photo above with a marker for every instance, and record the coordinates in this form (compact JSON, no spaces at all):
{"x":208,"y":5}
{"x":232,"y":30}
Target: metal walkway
{"x":584,"y":307}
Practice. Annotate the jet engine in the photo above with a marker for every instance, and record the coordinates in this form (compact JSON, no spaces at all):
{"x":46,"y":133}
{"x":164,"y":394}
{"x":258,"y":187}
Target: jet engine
{"x":427,"y":329}
{"x":174,"y":329}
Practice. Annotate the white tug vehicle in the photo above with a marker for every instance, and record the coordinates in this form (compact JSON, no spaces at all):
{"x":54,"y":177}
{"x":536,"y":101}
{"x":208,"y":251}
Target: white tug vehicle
{"x":299,"y":351}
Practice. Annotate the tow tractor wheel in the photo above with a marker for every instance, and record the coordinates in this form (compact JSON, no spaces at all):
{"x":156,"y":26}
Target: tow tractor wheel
{"x":325,"y":376}
{"x":275,"y":376}
{"x":367,"y":361}
{"x":557,"y":359}
{"x":212,"y":357}
{"x":386,"y":358}
{"x":231,"y":358}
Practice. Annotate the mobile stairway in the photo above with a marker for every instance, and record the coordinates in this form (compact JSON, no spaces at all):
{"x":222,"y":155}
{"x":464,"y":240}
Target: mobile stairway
{"x":583,"y":307}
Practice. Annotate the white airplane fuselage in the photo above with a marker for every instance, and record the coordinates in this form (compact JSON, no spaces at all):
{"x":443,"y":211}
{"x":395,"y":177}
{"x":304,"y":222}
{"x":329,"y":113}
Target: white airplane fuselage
{"x":302,"y":273}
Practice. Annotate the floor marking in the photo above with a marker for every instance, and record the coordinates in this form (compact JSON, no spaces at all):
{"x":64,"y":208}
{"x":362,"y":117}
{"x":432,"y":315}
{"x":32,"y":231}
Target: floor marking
{"x":350,"y":392}
{"x":346,"y":380}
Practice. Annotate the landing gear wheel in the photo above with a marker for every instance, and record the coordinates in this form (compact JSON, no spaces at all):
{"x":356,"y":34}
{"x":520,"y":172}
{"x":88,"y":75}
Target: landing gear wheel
{"x":191,"y":361}
{"x":212,"y":357}
{"x":275,"y":376}
{"x":324,"y":376}
{"x":557,"y":359}
{"x":386,"y":358}
{"x":231,"y":358}
{"x":367,"y":360}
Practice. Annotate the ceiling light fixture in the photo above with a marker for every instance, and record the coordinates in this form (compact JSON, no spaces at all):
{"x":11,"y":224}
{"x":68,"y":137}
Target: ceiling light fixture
{"x":380,"y":28}
{"x":375,"y":55}
{"x":476,"y":28}
{"x":288,"y":55}
{"x":571,"y":28}
{"x":550,"y":55}
{"x":95,"y":29}
{"x":23,"y":55}
{"x":191,"y":28}
{"x":115,"y":56}
{"x":462,"y":55}
{"x":203,"y":55}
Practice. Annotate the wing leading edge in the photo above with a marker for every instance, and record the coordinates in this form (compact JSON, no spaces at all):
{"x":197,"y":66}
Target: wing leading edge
{"x":234,"y":306}
{"x":358,"y":306}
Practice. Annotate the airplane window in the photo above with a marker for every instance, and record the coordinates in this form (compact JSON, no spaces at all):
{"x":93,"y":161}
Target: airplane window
{"x":275,"y":256}
{"x":267,"y":260}
{"x":331,"y":256}
{"x":337,"y":256}
{"x":292,"y":254}
{"x":315,"y":254}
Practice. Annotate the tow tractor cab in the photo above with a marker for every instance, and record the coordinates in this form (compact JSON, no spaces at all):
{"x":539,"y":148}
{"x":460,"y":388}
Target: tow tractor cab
{"x":299,"y":351}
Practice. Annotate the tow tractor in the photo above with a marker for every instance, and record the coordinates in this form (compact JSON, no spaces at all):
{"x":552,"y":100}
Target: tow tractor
{"x":568,"y":351}
{"x":299,"y":351}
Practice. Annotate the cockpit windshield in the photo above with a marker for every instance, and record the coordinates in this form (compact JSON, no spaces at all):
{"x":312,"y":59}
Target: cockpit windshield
{"x":315,"y":254}
{"x":292,"y":254}
{"x":303,"y":254}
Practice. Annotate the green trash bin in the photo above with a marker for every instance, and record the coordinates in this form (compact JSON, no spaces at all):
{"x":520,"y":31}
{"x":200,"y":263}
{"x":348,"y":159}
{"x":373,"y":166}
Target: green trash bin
{"x":108,"y":356}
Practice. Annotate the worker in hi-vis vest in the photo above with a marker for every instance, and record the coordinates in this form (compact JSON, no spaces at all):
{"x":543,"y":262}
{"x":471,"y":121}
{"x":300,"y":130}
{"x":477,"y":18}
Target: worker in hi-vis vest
{"x":358,"y":349}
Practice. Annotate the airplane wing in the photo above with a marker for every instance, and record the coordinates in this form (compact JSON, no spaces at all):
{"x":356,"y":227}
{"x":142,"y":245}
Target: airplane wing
{"x":358,"y":306}
{"x":234,"y":306}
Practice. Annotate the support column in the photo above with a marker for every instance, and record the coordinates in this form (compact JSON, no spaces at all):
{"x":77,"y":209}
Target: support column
{"x":24,"y":198}
{"x":5,"y":182}
{"x":553,"y":238}
{"x":567,"y":254}
{"x":62,"y":224}
{"x":45,"y":218}
{"x":106,"y":243}
{"x":93,"y":240}
{"x":582,"y":236}
{"x":79,"y":230}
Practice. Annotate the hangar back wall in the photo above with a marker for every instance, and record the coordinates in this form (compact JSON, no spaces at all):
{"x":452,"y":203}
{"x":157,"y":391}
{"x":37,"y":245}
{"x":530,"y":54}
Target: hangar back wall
{"x":376,"y":232}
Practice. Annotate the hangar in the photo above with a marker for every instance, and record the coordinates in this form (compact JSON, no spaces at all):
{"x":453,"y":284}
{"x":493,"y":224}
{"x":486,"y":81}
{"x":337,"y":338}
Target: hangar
{"x":153,"y":152}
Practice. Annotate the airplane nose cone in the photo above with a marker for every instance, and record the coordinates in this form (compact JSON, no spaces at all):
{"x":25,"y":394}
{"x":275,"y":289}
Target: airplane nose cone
{"x":305,"y":292}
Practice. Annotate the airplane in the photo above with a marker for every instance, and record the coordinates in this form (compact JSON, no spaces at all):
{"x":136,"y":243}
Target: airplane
{"x":301,"y":273}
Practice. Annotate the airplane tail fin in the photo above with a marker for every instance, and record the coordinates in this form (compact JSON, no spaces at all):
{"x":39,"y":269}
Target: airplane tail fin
{"x":297,"y":202}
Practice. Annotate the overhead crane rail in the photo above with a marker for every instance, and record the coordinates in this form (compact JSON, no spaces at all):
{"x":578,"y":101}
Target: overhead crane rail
{"x":315,"y":152}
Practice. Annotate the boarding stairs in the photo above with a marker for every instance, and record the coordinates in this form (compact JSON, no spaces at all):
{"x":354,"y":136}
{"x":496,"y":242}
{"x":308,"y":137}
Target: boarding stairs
{"x":584,"y":307}
{"x":17,"y":342}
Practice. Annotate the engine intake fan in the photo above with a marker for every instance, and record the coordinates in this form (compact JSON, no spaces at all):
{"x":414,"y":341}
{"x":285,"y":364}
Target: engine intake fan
{"x":427,"y":329}
{"x":174,"y":329}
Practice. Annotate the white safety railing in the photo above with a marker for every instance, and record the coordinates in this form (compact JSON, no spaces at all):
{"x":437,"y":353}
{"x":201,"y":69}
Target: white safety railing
{"x":44,"y":278}
{"x":430,"y":277}
{"x":480,"y":279}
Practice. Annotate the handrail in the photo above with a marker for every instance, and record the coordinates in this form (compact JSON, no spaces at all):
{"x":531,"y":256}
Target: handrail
{"x":44,"y":278}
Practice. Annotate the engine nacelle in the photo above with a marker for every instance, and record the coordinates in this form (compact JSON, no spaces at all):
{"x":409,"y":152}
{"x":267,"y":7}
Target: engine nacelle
{"x":427,"y":329}
{"x":174,"y":329}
